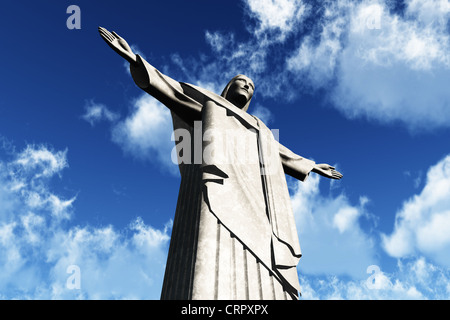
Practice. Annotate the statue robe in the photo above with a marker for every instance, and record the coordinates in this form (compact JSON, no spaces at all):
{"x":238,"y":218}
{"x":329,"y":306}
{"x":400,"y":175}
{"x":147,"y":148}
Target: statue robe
{"x":234,"y":233}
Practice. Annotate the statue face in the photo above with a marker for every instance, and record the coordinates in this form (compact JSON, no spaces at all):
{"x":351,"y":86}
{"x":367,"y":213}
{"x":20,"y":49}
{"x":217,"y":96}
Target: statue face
{"x":240,"y":91}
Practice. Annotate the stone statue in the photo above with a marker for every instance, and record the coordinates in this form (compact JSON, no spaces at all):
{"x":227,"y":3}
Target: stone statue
{"x":234,"y":233}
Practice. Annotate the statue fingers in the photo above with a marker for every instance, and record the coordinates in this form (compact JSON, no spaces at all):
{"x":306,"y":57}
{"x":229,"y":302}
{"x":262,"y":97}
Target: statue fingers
{"x":102,"y":31}
{"x":105,"y":34}
{"x":336,"y":174}
{"x":108,"y":35}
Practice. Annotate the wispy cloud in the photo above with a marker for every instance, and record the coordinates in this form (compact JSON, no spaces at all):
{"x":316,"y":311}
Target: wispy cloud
{"x":96,"y":112}
{"x":278,"y":17}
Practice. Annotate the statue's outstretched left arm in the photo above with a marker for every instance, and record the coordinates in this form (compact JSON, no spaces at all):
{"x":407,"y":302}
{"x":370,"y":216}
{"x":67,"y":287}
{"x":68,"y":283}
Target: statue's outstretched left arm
{"x":299,"y":167}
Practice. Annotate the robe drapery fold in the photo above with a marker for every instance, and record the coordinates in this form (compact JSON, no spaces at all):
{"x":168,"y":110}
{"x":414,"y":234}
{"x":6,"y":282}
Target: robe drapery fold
{"x":241,"y":223}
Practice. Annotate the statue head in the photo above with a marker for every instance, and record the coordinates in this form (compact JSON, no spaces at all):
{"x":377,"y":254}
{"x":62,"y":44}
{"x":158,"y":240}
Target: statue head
{"x":239,"y":91}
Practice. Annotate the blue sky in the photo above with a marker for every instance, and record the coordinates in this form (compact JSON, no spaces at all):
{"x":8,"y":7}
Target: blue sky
{"x":85,"y":168}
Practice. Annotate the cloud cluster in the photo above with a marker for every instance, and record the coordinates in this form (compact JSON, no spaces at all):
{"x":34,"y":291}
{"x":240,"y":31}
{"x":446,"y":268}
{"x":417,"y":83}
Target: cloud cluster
{"x":412,"y":280}
{"x":39,"y":247}
{"x":341,"y":259}
{"x":422,"y":224}
{"x":399,"y":71}
{"x":330,"y":234}
{"x":146,"y":133}
{"x":382,"y":63}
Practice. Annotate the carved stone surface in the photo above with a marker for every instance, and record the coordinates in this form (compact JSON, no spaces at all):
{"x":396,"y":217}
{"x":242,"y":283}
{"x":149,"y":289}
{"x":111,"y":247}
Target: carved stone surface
{"x":234,"y":233}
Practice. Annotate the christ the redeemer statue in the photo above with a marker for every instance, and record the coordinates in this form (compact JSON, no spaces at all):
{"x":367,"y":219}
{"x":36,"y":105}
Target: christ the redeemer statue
{"x":234,"y":233}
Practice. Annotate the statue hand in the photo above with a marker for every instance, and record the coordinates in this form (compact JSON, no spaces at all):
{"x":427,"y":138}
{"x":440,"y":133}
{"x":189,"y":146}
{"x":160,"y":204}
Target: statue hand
{"x":118,"y":44}
{"x":327,"y":171}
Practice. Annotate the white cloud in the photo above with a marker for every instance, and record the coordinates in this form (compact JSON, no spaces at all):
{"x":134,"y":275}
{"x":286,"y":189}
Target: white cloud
{"x":275,"y":20}
{"x":28,"y":175}
{"x":346,"y":218}
{"x":422,"y":224}
{"x":330,"y":233}
{"x":418,"y":43}
{"x":96,"y":112}
{"x":414,"y":279}
{"x":147,"y":236}
{"x":218,"y":41}
{"x":372,"y":61}
{"x":429,"y":12}
{"x":378,"y":64}
{"x":37,"y":245}
{"x":397,"y":72}
{"x":317,"y":56}
{"x":146,"y":133}
{"x":40,"y":161}
{"x":279,"y":15}
{"x":231,"y":58}
{"x":103,"y":256}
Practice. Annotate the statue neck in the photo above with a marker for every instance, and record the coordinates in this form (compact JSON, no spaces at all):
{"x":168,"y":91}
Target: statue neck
{"x":239,"y":101}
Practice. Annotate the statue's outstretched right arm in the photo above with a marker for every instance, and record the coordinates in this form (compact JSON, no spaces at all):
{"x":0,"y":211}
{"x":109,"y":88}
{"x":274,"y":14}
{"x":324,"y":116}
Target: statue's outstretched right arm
{"x":165,"y":89}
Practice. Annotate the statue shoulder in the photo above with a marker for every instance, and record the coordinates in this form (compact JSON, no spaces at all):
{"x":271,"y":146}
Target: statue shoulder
{"x":202,"y":95}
